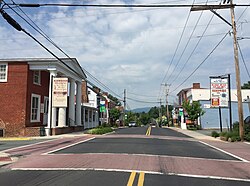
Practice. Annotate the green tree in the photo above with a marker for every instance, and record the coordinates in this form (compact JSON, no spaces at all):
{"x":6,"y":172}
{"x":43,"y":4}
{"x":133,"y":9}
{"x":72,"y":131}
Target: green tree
{"x":193,"y":109}
{"x":154,"y":112}
{"x":144,"y":118}
{"x":115,"y":99}
{"x":246,"y":85}
{"x":114,"y":115}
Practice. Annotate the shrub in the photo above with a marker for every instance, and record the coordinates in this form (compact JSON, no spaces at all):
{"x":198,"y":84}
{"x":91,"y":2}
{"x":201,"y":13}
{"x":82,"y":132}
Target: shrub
{"x":233,"y":136}
{"x":215,"y":134}
{"x":100,"y":130}
{"x":247,"y":137}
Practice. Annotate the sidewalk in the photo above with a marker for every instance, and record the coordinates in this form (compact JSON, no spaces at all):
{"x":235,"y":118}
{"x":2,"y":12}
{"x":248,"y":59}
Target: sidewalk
{"x":239,"y":150}
{"x":5,"y":157}
{"x":195,"y":134}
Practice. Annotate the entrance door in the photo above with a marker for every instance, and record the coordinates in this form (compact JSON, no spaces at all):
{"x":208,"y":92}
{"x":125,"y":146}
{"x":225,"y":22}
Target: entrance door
{"x":46,"y":108}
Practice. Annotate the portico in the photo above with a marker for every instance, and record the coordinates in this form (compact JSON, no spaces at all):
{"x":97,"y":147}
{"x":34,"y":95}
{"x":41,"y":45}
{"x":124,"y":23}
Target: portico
{"x":65,"y":118}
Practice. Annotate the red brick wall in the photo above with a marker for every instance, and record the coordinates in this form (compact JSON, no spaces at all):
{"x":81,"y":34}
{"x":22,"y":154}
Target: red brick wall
{"x":42,"y":90}
{"x":15,"y":99}
{"x":13,"y":95}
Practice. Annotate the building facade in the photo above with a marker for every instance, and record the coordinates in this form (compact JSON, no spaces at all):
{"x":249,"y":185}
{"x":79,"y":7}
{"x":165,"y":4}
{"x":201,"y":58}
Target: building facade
{"x":26,"y":96}
{"x":211,"y":117}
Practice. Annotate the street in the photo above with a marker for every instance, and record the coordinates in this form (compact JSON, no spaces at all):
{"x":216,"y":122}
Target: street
{"x":129,"y":156}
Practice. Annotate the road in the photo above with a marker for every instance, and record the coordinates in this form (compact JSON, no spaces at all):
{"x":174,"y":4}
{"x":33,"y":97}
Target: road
{"x":129,"y":156}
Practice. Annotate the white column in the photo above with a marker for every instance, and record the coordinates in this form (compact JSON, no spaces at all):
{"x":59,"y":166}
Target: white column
{"x":72,"y":103}
{"x":62,"y":117}
{"x":78,"y":103}
{"x":51,"y":111}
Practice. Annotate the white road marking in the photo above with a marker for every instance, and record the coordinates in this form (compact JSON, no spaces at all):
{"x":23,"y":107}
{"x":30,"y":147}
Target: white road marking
{"x":129,"y":171}
{"x":224,"y":151}
{"x":46,"y":153}
{"x":14,"y":148}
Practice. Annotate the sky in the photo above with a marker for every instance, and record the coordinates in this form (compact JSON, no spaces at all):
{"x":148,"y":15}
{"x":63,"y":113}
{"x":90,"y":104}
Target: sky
{"x":137,"y":49}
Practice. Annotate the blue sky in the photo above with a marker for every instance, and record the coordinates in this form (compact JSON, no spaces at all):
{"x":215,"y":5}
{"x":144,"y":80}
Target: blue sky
{"x":134,"y":49}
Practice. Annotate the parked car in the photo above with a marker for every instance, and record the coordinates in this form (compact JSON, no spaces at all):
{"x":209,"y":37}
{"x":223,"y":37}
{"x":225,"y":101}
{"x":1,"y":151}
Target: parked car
{"x":247,"y":120}
{"x":132,"y":124}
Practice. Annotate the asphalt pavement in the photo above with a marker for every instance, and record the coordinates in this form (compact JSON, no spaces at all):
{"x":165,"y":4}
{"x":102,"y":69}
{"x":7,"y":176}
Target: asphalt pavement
{"x":137,"y":155}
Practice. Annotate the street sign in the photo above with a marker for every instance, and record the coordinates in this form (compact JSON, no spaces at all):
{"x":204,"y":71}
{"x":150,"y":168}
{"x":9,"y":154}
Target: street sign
{"x":219,"y":92}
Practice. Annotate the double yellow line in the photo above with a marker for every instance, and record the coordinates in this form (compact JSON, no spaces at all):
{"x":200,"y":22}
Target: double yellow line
{"x":132,"y":178}
{"x":148,"y":131}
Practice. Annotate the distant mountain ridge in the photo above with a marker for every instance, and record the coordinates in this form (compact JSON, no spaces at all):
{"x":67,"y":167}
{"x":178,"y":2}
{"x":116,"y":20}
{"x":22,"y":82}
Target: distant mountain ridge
{"x":140,"y":110}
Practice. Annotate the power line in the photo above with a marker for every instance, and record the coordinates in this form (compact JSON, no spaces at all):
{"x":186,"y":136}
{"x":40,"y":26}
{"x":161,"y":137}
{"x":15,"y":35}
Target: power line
{"x":243,"y":60}
{"x":177,"y":47}
{"x":39,"y":30}
{"x":196,"y":46}
{"x":186,"y":46}
{"x":141,"y":101}
{"x":210,"y":52}
{"x":201,"y":63}
{"x":141,"y":95}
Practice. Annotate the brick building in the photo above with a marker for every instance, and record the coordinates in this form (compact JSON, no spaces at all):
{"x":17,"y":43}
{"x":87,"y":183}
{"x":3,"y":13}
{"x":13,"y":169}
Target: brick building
{"x":25,"y":94}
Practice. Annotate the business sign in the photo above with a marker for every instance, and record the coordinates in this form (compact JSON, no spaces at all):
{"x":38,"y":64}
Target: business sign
{"x":102,"y":106}
{"x":60,"y":92}
{"x":219,"y":92}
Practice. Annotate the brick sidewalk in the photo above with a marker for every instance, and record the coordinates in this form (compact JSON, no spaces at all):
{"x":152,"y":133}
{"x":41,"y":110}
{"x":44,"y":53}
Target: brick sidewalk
{"x":239,"y":149}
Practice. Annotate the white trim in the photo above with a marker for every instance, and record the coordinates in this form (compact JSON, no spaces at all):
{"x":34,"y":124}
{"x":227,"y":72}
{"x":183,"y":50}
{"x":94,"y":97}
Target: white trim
{"x":6,"y":73}
{"x":38,"y":109}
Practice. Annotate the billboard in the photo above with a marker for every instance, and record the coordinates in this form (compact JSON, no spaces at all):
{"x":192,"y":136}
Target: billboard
{"x":219,"y":92}
{"x":60,"y":92}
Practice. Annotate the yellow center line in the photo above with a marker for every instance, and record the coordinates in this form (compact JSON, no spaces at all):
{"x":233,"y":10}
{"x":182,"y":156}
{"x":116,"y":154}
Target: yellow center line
{"x":141,"y":179}
{"x":148,"y":131}
{"x":131,"y":179}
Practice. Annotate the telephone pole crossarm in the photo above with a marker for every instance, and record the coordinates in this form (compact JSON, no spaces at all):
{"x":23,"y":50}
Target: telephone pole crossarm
{"x":210,"y":7}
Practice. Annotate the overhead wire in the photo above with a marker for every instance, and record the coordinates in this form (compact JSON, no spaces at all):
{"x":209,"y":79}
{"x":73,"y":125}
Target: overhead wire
{"x":201,"y":62}
{"x":243,"y":60}
{"x":177,"y":46}
{"x":208,"y":54}
{"x":39,"y":30}
{"x":190,"y":37}
{"x":191,"y":54}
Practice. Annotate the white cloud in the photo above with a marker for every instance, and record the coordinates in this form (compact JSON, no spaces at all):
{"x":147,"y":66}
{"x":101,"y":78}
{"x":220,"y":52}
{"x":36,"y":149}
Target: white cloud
{"x":132,"y":48}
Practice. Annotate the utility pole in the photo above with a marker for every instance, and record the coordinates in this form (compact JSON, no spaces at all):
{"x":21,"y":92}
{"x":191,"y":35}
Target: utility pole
{"x":237,"y":72}
{"x":124,"y":110}
{"x":167,"y":90}
{"x":124,"y":101}
{"x":160,"y":112}
{"x":236,"y":58}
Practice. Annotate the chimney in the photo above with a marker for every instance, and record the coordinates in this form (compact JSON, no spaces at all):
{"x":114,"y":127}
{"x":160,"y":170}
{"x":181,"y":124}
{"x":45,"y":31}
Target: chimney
{"x":196,"y":86}
{"x":85,"y":98}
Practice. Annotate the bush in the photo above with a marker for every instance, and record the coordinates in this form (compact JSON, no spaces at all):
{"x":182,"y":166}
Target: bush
{"x":233,"y":136}
{"x":100,"y":130}
{"x":215,"y":134}
{"x":247,"y":137}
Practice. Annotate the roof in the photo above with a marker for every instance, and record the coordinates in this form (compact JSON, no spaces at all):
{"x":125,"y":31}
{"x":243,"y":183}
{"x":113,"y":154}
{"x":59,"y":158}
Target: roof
{"x":70,"y":64}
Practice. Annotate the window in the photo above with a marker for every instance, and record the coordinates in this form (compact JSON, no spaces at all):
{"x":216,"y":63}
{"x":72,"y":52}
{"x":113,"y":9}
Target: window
{"x":37,"y":77}
{"x":35,"y":108}
{"x":93,"y":116}
{"x":3,"y":72}
{"x":86,"y":115}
